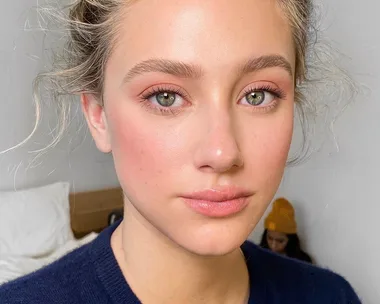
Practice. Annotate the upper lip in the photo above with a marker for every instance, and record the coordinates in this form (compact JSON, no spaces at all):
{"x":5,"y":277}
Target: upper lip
{"x":219,"y":194}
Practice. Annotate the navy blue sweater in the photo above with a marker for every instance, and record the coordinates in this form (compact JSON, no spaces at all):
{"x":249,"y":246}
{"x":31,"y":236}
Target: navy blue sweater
{"x":91,"y":275}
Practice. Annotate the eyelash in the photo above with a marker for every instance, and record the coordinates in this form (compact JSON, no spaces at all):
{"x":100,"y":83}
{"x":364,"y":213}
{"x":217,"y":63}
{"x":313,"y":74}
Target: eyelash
{"x":151,"y":92}
{"x":267,"y":88}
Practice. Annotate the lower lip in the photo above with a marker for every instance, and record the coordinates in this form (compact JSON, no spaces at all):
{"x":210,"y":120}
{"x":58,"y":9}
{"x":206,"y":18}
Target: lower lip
{"x":217,"y":209}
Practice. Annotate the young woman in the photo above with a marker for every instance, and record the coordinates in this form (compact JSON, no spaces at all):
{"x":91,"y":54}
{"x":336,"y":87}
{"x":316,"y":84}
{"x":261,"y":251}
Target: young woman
{"x":280,"y":234}
{"x":195,"y":101}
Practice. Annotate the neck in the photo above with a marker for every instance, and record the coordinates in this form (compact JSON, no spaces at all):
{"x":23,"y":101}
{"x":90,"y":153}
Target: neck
{"x":159,"y":271}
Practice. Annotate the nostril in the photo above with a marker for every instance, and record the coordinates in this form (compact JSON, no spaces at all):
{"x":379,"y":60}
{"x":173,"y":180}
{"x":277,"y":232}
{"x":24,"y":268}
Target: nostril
{"x":207,"y":169}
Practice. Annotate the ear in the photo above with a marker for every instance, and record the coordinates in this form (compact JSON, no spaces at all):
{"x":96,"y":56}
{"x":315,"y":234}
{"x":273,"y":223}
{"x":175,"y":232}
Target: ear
{"x":96,"y":121}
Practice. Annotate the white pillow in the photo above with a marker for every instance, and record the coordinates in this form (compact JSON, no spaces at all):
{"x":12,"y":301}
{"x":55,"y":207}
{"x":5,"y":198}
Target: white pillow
{"x":35,"y":222}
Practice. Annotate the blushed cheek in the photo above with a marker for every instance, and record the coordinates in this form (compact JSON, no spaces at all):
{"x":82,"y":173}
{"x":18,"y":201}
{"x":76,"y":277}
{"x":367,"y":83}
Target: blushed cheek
{"x":134,"y":155}
{"x":281,"y":137}
{"x":276,"y":155}
{"x":267,"y":152}
{"x":144,"y":157}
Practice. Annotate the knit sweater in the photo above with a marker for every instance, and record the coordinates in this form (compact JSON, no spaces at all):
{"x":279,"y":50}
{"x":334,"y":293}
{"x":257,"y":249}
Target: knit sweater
{"x":91,"y":275}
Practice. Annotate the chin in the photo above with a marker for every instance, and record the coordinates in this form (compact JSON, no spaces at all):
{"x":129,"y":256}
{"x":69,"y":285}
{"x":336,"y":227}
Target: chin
{"x":212,"y":239}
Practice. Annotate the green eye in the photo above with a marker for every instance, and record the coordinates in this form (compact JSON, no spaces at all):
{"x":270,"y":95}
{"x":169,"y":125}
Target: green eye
{"x":255,"y":98}
{"x":166,"y":99}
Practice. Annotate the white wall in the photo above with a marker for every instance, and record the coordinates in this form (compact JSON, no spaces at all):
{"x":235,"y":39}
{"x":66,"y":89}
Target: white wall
{"x":336,"y":194}
{"x":76,"y":158}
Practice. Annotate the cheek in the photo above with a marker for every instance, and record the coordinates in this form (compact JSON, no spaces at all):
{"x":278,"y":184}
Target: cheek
{"x":267,"y":148}
{"x":142,"y":154}
{"x":282,"y":246}
{"x":135,"y":155}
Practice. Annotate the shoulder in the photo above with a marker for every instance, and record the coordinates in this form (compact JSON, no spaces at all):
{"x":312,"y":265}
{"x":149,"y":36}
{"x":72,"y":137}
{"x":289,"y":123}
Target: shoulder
{"x":52,"y":284}
{"x":296,"y":281}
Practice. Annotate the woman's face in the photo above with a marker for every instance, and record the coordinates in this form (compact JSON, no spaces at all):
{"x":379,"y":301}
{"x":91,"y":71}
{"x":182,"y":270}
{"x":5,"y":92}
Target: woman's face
{"x":198,"y":113}
{"x":277,"y":241}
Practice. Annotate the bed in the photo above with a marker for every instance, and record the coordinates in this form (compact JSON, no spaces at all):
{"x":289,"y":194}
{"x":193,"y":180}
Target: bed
{"x":40,"y":225}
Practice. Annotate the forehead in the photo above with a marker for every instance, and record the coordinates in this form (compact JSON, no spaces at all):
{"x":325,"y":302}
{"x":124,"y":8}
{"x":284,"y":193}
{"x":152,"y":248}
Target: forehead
{"x":212,"y":33}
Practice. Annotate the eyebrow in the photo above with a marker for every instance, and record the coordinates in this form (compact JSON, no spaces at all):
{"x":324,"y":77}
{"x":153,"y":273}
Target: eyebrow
{"x":175,"y":68}
{"x":185,"y":70}
{"x":265,"y":62}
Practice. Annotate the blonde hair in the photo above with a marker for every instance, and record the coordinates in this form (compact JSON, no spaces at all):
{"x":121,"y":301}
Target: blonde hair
{"x":91,"y":29}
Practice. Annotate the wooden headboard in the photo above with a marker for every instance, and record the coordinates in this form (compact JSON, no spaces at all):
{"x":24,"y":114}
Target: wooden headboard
{"x":89,"y":211}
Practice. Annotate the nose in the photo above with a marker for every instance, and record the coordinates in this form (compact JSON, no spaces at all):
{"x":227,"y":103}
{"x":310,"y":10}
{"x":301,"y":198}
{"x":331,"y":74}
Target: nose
{"x":272,"y":245}
{"x":218,"y":150}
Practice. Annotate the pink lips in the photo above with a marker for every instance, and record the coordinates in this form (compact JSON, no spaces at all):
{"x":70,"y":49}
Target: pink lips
{"x":220,"y":202}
